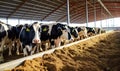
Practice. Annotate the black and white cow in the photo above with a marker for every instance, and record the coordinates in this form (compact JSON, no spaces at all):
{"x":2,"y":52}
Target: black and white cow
{"x":54,"y":33}
{"x":30,"y":37}
{"x":17,"y":43}
{"x":82,"y":32}
{"x":97,"y":30}
{"x":90,"y":31}
{"x":73,"y":31}
{"x":7,"y":37}
{"x":45,"y":37}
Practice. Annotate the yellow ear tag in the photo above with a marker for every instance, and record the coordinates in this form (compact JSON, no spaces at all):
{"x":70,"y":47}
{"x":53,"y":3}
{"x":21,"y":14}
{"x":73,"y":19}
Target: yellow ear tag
{"x":45,"y":29}
{"x":27,"y":29}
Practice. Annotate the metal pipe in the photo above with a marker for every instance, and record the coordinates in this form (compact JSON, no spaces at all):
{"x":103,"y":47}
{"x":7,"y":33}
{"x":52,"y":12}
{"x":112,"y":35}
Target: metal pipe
{"x":104,"y":7}
{"x":94,"y":13}
{"x":101,"y":17}
{"x":86,"y":8}
{"x":68,"y":13}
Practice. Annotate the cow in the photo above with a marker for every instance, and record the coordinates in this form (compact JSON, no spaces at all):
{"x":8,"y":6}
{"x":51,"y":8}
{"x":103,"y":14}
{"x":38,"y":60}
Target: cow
{"x":73,"y":31}
{"x":17,"y":43}
{"x":30,"y":38}
{"x":82,"y":32}
{"x":90,"y":31}
{"x":97,"y":30}
{"x":45,"y":37}
{"x":7,"y":37}
{"x":53,"y":34}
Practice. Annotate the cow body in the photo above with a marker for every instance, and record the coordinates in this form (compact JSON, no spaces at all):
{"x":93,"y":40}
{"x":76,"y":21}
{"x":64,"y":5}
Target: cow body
{"x":7,"y":37}
{"x":74,"y":33}
{"x":30,"y":37}
{"x":90,"y":31}
{"x":82,"y":32}
{"x":53,"y":34}
{"x":97,"y":30}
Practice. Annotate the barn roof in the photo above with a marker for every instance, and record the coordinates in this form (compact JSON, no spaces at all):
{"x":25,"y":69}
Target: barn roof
{"x":55,"y":10}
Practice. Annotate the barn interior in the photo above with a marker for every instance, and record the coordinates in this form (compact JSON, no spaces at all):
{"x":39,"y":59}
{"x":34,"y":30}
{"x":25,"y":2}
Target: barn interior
{"x":70,"y":11}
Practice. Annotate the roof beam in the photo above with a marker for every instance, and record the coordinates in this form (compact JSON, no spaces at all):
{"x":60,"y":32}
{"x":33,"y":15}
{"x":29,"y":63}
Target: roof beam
{"x":72,"y":5}
{"x":53,"y":11}
{"x":17,"y":8}
{"x":105,"y":7}
{"x":111,"y":1}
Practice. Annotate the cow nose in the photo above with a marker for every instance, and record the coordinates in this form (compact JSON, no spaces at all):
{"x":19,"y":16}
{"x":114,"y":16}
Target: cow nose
{"x":36,"y":41}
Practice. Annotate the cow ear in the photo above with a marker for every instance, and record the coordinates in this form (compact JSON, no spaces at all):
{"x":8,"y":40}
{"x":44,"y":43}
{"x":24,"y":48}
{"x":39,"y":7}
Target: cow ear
{"x":27,"y":29}
{"x":44,"y":29}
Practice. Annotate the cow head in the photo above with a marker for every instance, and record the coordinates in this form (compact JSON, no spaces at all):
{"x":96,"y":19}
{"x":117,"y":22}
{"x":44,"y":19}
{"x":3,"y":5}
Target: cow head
{"x":37,"y":31}
{"x":64,"y":29}
{"x":74,"y":32}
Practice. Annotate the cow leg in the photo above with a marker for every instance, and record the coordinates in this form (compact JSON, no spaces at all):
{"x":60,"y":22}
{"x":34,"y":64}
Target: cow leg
{"x":38,"y":48}
{"x":47,"y":45}
{"x":1,"y":51}
{"x":33,"y":50}
{"x":10,"y":48}
{"x":1,"y":57}
{"x":25,"y":48}
{"x":18,"y":47}
{"x":25,"y":52}
{"x":57,"y":42}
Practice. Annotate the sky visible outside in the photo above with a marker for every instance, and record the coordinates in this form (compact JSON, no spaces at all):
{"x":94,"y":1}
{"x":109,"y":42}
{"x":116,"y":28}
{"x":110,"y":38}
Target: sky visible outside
{"x":115,"y":22}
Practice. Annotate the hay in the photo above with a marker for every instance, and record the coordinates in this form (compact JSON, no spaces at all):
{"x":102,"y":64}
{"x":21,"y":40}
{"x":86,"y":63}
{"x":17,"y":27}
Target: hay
{"x":97,"y":54}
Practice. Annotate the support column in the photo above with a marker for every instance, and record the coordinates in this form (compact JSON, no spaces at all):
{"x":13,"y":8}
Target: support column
{"x":68,"y":13}
{"x":94,"y":13}
{"x":86,"y":8}
{"x":101,"y":17}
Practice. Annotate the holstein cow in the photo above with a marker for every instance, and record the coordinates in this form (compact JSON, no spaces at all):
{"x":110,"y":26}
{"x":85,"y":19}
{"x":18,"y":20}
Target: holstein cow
{"x":30,"y":37}
{"x":17,"y":43}
{"x":82,"y":32}
{"x":90,"y":31}
{"x":97,"y":30}
{"x":7,"y":37}
{"x":73,"y":31}
{"x":53,"y":34}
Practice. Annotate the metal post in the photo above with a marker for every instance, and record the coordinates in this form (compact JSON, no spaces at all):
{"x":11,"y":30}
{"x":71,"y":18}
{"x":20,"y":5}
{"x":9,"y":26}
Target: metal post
{"x":86,"y":8}
{"x":68,"y":13}
{"x":94,"y":13}
{"x":101,"y":17}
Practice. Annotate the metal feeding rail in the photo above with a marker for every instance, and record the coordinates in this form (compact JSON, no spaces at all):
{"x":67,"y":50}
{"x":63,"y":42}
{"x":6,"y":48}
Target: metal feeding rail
{"x":14,"y":63}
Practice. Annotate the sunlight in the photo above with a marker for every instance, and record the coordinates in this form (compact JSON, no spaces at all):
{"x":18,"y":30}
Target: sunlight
{"x":114,"y":22}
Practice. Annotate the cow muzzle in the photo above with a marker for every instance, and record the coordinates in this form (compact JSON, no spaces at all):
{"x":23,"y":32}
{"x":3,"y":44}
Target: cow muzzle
{"x":36,"y":41}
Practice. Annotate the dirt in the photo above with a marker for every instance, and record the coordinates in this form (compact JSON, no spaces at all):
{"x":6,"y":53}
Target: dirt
{"x":98,"y":54}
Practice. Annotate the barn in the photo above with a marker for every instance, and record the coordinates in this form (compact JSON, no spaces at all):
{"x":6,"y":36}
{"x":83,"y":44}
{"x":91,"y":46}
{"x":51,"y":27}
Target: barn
{"x":38,"y":46}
